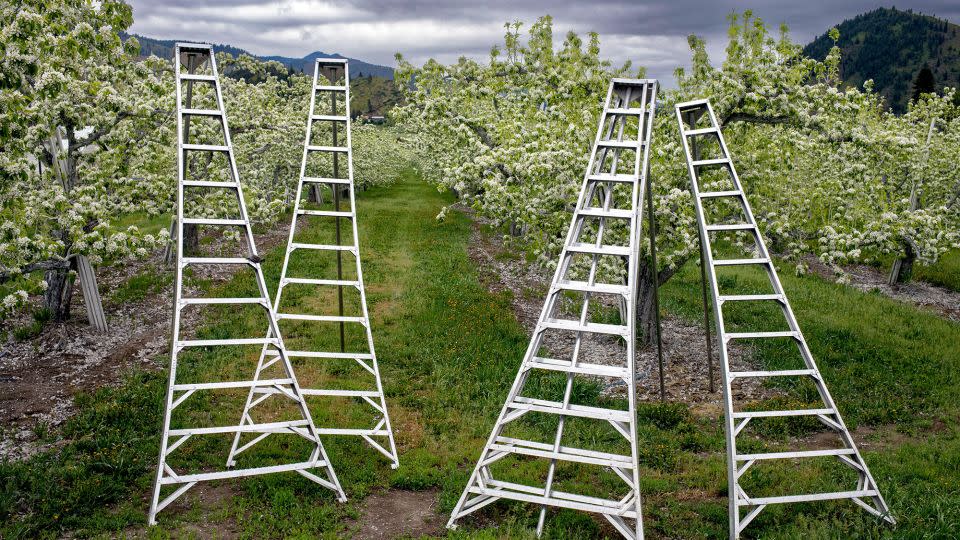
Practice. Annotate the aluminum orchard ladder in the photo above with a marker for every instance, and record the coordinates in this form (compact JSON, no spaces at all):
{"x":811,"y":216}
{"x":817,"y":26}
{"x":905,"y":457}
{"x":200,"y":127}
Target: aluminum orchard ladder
{"x":694,"y":137}
{"x":629,"y":103}
{"x":336,"y":123}
{"x":193,"y":57}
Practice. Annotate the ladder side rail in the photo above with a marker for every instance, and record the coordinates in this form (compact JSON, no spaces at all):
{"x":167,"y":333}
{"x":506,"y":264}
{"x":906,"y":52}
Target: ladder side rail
{"x":533,"y":346}
{"x":707,"y":253}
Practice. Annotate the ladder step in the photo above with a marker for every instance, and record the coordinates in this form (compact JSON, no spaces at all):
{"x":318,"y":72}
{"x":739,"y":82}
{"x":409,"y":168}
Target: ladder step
{"x":777,"y":414}
{"x":330,"y":88}
{"x":216,"y":260}
{"x":565,"y":453}
{"x":758,"y":501}
{"x":193,"y":77}
{"x":556,"y":407}
{"x":612,"y":213}
{"x":573,"y":501}
{"x":715,"y":194}
{"x":618,"y":144}
{"x":328,"y":117}
{"x":310,"y":281}
{"x":206,"y":183}
{"x":202,"y":47}
{"x":598,"y":370}
{"x":622,"y":178}
{"x":593,"y":328}
{"x":780,"y":373}
{"x":313,"y":148}
{"x":631,"y":111}
{"x":201,"y":112}
{"x":580,"y":247}
{"x":231,"y":384}
{"x":601,"y":288}
{"x":325,"y":213}
{"x":326,"y":247}
{"x":315,"y":180}
{"x":732,"y":227}
{"x":206,"y":147}
{"x":740,"y":262}
{"x":797,"y":454}
{"x":213,"y":221}
{"x":750,"y":335}
{"x":329,"y":355}
{"x":267,"y":427}
{"x":749,"y":297}
{"x":356,"y":432}
{"x":700,"y":131}
{"x":341,"y":393}
{"x":705,"y":162}
{"x":320,"y":318}
{"x":211,"y":301}
{"x":223,"y":342}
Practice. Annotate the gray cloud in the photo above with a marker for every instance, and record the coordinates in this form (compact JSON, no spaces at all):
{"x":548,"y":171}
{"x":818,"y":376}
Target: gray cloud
{"x":650,"y":33}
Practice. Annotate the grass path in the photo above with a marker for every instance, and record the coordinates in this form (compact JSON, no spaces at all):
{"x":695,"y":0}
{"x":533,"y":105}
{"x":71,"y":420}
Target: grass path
{"x":449,"y":350}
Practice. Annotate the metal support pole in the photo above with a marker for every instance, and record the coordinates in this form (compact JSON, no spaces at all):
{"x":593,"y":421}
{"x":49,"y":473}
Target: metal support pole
{"x":336,"y":207}
{"x":655,"y":284}
{"x":695,"y":151}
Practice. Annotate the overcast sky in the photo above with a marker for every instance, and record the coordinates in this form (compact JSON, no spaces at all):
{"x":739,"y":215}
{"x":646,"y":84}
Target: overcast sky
{"x":650,"y":33}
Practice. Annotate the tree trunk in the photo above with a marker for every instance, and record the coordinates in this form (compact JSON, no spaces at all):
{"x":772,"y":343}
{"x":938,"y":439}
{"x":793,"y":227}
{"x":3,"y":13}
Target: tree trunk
{"x":645,"y":290}
{"x":58,"y":294}
{"x":191,"y":239}
{"x":902,"y":269}
{"x":316,"y":194}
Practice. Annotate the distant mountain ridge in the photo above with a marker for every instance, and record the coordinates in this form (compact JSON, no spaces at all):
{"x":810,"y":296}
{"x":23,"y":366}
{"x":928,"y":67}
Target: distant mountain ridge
{"x":891,"y":46}
{"x":164,"y":49}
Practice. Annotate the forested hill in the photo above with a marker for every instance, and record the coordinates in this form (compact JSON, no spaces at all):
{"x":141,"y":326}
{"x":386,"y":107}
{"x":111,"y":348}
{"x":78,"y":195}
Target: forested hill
{"x":164,"y":49}
{"x":891,"y":47}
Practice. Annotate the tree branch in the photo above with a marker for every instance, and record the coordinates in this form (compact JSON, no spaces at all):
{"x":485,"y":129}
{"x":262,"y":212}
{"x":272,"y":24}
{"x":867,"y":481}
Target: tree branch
{"x":50,"y":264}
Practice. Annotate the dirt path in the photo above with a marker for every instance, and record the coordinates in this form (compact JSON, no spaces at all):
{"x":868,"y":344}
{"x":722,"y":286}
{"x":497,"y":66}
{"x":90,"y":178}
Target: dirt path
{"x":40,"y":376}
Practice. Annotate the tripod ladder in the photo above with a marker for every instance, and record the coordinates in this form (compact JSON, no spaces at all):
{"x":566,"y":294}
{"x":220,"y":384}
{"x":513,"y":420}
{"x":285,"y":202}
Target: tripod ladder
{"x":865,"y":494}
{"x":334,"y":131}
{"x":629,"y":104}
{"x":193,"y":57}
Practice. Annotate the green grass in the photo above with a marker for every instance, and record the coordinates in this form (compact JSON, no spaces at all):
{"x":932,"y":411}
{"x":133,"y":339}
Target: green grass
{"x":946,"y":272}
{"x":449,"y":351}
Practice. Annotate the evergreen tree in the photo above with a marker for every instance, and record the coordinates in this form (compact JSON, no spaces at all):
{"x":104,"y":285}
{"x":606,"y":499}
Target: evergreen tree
{"x":924,"y":83}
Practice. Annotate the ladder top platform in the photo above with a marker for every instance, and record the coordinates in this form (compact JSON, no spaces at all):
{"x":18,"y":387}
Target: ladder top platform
{"x":638,"y":82}
{"x":194,"y":46}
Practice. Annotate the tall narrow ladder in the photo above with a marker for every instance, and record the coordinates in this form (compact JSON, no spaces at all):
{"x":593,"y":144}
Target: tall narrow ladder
{"x":628,"y":100}
{"x":338,"y":118}
{"x":193,"y":56}
{"x":688,"y":114}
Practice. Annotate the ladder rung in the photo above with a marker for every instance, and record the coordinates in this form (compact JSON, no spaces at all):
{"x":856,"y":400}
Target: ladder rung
{"x":327,"y":247}
{"x":731,"y":227}
{"x":325,"y":213}
{"x":576,"y":455}
{"x":206,"y":147}
{"x":715,"y":194}
{"x":700,"y":131}
{"x":356,"y":432}
{"x":565,"y":366}
{"x":311,"y":281}
{"x":213,"y":221}
{"x":777,"y":414}
{"x":328,"y":117}
{"x":341,"y":393}
{"x":633,"y":111}
{"x":780,"y":373}
{"x":314,"y":180}
{"x":612,"y":213}
{"x":313,"y":148}
{"x":739,"y":262}
{"x":330,"y":88}
{"x":268,"y":427}
{"x":623,"y":178}
{"x":599,"y":250}
{"x":216,"y":260}
{"x":619,"y":144}
{"x":705,"y":162}
{"x":556,"y":407}
{"x":750,"y":335}
{"x":231,"y":384}
{"x":194,"y":77}
{"x":759,"y":501}
{"x":797,"y":454}
{"x":319,"y":318}
{"x":223,"y":342}
{"x":749,"y":297}
{"x":207,"y":183}
{"x":201,"y":112}
{"x":329,"y":355}
{"x":211,"y":301}
{"x":530,"y":494}
{"x":601,"y":288}
{"x":594,"y":328}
